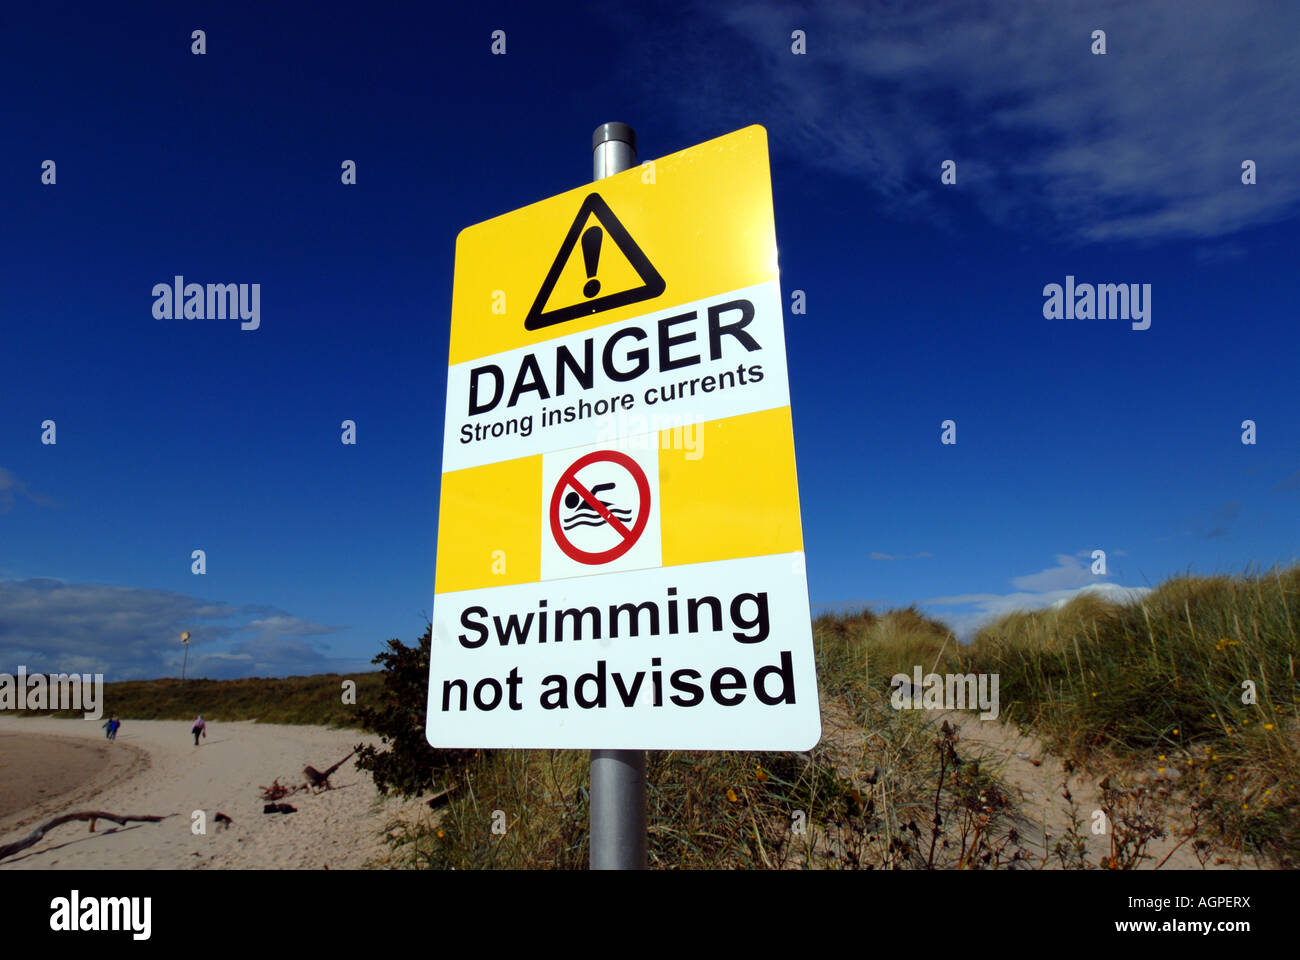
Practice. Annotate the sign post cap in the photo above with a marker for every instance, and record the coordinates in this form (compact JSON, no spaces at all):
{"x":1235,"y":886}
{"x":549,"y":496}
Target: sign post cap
{"x":613,"y":131}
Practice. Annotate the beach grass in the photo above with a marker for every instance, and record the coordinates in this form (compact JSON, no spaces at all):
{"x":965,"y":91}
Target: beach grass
{"x":862,"y":650}
{"x":1195,"y":681}
{"x":316,"y":700}
{"x":867,"y":796}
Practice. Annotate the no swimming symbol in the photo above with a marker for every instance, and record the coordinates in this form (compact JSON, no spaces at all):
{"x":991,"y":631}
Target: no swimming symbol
{"x":597,"y":507}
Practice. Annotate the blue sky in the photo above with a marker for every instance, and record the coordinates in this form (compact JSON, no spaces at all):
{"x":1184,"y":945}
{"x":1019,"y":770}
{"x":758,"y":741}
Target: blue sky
{"x":924,"y":300}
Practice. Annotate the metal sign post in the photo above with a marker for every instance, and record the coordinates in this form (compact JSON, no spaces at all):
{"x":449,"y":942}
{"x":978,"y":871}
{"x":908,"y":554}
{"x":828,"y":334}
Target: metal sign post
{"x":618,"y":801}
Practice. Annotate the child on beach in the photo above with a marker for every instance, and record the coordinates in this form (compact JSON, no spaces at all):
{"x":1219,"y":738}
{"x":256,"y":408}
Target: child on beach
{"x":113,"y":725}
{"x":199,"y":728}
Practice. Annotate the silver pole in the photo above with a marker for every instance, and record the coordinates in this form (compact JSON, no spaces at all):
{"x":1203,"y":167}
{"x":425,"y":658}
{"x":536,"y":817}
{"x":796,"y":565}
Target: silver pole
{"x":618,"y":804}
{"x":613,"y":150}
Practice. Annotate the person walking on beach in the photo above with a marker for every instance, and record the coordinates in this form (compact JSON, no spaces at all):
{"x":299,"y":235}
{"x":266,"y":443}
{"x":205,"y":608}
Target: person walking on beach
{"x":113,"y":725}
{"x":199,"y":729}
{"x":108,"y":729}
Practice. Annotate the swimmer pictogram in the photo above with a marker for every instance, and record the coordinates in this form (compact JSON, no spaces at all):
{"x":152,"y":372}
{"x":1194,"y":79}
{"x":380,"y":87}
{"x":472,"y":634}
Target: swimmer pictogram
{"x":595,"y":530}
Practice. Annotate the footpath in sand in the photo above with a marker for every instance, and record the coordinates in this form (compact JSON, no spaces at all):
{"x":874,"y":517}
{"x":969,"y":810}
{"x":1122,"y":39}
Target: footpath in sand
{"x":1038,"y":777}
{"x":154,"y":768}
{"x":1035,"y":779}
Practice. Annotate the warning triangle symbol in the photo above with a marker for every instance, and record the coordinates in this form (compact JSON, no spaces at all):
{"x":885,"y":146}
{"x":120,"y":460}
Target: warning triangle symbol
{"x":652,"y":284}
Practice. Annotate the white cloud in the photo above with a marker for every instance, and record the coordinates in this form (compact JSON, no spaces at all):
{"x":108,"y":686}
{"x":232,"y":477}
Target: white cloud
{"x":285,"y":625}
{"x":1144,"y":142}
{"x":1068,"y":574}
{"x":987,"y":607}
{"x":1053,"y":587}
{"x":129,"y":633}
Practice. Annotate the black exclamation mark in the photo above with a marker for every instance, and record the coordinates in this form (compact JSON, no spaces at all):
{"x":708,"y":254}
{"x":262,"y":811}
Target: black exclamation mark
{"x":590,"y":257}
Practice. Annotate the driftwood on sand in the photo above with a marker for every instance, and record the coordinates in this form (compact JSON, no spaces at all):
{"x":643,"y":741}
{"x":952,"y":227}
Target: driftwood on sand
{"x":321,"y":780}
{"x":91,"y":815}
{"x":278,"y":791}
{"x":317,"y":780}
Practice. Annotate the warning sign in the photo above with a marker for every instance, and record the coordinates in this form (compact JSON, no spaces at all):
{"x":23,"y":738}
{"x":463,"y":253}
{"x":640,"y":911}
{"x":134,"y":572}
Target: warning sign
{"x":595,"y":298}
{"x":620,"y":555}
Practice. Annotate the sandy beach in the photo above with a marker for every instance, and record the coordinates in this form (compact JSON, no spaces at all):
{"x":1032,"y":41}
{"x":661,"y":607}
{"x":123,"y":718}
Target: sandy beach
{"x":58,"y":766}
{"x":65,"y":763}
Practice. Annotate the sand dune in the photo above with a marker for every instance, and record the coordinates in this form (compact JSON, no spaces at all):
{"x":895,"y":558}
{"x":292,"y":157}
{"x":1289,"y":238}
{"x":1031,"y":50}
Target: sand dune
{"x":154,"y":768}
{"x":1037,"y":777}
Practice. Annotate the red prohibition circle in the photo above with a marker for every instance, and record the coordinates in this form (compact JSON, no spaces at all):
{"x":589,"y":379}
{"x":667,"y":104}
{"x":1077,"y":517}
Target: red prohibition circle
{"x":630,"y":537}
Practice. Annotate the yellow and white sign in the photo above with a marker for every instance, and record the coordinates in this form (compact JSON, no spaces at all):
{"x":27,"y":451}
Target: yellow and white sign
{"x":620,"y":558}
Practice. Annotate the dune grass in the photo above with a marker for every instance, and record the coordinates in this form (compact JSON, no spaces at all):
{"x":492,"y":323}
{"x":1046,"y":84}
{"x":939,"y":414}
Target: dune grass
{"x":866,"y":797}
{"x":298,"y":700}
{"x":1155,"y":684}
{"x":1194,"y":681}
{"x":862,"y":650}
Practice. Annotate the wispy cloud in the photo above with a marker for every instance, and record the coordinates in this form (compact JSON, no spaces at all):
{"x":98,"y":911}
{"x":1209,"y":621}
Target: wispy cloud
{"x":1054,"y":586}
{"x":1222,"y":519}
{"x":284,"y":625}
{"x":900,"y":556}
{"x":131,"y":633}
{"x":1145,"y":142}
{"x":1219,"y":254}
{"x":11,"y":488}
{"x":1288,"y":484}
{"x":1068,"y":574}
